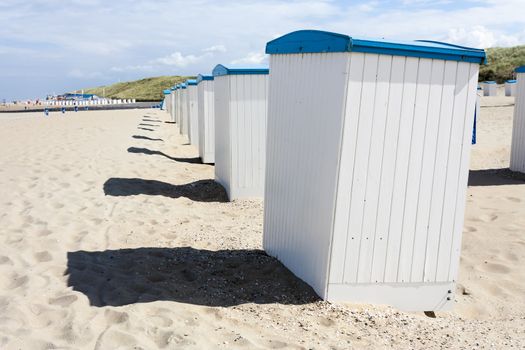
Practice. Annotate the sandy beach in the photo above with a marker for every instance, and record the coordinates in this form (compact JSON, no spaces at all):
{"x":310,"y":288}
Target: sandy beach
{"x":114,"y":236}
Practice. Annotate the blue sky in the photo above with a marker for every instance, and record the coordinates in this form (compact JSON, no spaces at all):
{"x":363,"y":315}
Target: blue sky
{"x":53,"y":46}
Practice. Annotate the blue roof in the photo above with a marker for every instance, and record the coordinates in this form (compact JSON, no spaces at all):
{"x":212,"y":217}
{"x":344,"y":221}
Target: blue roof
{"x":182,"y":86}
{"x":222,"y":70}
{"x":166,"y":92}
{"x":191,"y":82}
{"x":312,"y":41}
{"x":201,"y":77}
{"x":489,"y":82}
{"x":512,"y":81}
{"x":520,"y":69}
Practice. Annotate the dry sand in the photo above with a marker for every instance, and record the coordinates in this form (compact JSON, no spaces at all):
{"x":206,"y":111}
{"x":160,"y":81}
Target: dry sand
{"x":112,"y":236}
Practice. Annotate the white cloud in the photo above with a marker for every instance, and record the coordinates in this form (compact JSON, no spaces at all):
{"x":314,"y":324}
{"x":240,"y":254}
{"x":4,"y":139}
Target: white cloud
{"x":252,"y":58}
{"x":82,"y":74}
{"x":479,"y":36}
{"x":215,"y":48}
{"x":177,"y":59}
{"x":131,"y":68}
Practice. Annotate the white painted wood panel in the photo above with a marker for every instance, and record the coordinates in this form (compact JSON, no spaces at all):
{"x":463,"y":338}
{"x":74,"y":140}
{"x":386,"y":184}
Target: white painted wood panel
{"x":206,"y":115}
{"x":388,"y":164}
{"x":172,"y":106}
{"x":184,"y":112}
{"x":307,"y":94}
{"x":461,"y":193}
{"x":222,"y":131}
{"x":517,"y":155}
{"x":440,"y":161}
{"x":401,"y":169}
{"x":248,"y":111}
{"x":177,"y":107}
{"x":193,"y":115}
{"x":392,"y":202}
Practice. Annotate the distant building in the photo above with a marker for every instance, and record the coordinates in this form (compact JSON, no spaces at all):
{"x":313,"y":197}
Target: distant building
{"x":76,"y":97}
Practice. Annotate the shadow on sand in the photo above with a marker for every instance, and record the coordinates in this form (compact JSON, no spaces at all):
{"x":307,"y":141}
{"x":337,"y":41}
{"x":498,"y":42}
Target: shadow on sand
{"x":167,"y":122}
{"x":147,"y":129}
{"x":495,"y":177}
{"x":150,"y":120}
{"x":140,"y":137}
{"x":150,"y":152}
{"x":186,"y":275}
{"x":200,"y":191}
{"x":145,"y":124}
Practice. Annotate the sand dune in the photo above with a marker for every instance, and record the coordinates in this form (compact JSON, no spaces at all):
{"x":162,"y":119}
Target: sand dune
{"x":114,"y":236}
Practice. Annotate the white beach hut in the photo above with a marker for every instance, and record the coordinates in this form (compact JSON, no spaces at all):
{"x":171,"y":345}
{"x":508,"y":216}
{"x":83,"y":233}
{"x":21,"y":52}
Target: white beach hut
{"x":205,"y":97}
{"x":173,"y":103}
{"x":517,"y":154}
{"x":490,"y":88}
{"x":368,"y":146}
{"x":193,"y":112}
{"x":510,"y":87}
{"x":177,"y":103}
{"x":167,"y":99}
{"x":240,"y":97}
{"x":183,"y":110}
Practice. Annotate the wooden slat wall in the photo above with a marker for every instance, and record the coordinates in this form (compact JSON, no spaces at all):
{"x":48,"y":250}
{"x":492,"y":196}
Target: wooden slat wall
{"x":193,"y":115}
{"x":401,"y":197}
{"x":517,"y":155}
{"x":222,"y":131}
{"x":206,"y":121}
{"x":305,"y":120}
{"x":249,"y":98}
{"x":184,"y":121}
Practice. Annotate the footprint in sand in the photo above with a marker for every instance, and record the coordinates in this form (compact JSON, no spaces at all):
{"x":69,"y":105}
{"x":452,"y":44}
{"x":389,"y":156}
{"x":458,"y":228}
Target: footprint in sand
{"x":160,"y":321}
{"x":514,"y":199}
{"x":63,"y":301}
{"x":44,"y":232}
{"x":470,"y":229}
{"x":488,"y":217}
{"x":43,"y":256}
{"x":4,"y":260}
{"x":114,"y":317}
{"x":495,"y":268}
{"x":13,"y":281}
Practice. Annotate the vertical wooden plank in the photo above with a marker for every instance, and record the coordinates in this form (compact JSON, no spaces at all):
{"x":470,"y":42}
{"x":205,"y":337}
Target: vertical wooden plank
{"x":401,"y":169}
{"x":388,"y":163}
{"x":301,"y":170}
{"x":452,"y":172}
{"x":427,"y":170}
{"x":440,"y":166}
{"x":517,"y":158}
{"x":408,"y":233}
{"x":342,"y":209}
{"x":461,"y":192}
{"x":361,"y":153}
{"x":373,"y":169}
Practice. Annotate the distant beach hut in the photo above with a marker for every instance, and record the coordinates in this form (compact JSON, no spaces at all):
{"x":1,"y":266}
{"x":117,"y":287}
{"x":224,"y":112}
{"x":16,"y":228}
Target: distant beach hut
{"x":368,"y":145}
{"x":193,"y":112}
{"x":166,"y":102}
{"x":490,"y":88}
{"x":510,"y":87}
{"x":173,"y":104}
{"x":517,"y":154}
{"x":240,"y":130}
{"x":177,"y":104}
{"x":183,"y":108}
{"x":205,"y":97}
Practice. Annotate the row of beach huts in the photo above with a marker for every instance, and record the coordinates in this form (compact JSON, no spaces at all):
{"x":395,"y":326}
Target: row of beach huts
{"x":360,"y":149}
{"x":88,"y":102}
